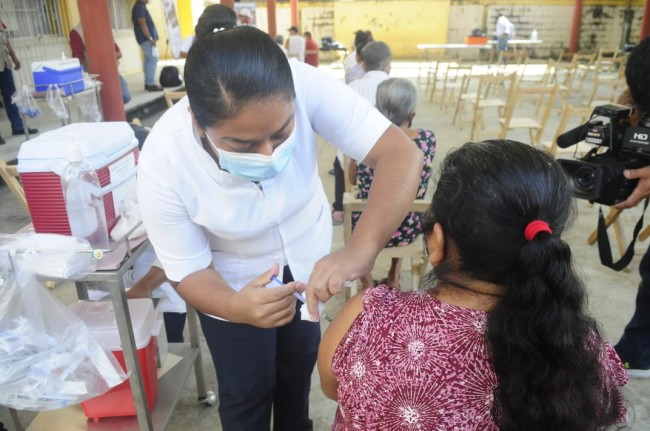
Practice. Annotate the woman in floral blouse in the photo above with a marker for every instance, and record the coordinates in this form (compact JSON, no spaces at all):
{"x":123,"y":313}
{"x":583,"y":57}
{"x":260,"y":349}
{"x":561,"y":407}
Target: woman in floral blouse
{"x":396,"y":99}
{"x":500,"y":339}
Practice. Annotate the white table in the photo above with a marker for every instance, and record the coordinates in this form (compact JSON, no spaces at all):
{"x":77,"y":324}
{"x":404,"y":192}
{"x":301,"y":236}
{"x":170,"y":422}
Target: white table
{"x":426,"y":48}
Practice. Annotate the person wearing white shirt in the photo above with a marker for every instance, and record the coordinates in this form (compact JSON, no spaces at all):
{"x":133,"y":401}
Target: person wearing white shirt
{"x":230,"y":196}
{"x":504,"y":31}
{"x":352,"y":63}
{"x":375,"y":60}
{"x":295,"y":44}
{"x":353,"y":71}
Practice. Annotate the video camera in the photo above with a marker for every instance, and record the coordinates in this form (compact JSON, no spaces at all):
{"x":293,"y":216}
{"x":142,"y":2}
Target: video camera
{"x":599,"y":177}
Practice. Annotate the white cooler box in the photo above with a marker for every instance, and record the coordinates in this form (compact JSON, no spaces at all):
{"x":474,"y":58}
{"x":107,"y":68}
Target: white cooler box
{"x":110,"y":148}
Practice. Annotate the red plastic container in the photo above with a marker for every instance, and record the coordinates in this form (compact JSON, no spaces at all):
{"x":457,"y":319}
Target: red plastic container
{"x":476,"y":40}
{"x":100,"y":318}
{"x":110,"y":148}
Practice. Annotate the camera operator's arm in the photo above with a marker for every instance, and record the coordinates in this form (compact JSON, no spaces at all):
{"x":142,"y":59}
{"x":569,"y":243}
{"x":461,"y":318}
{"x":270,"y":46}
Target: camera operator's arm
{"x":641,"y":191}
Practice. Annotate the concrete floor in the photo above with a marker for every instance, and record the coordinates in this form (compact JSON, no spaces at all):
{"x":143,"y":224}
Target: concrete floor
{"x":611,"y":294}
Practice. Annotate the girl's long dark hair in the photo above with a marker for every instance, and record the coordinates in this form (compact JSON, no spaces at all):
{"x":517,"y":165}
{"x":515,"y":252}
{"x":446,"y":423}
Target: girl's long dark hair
{"x":230,"y":68}
{"x":544,"y":347}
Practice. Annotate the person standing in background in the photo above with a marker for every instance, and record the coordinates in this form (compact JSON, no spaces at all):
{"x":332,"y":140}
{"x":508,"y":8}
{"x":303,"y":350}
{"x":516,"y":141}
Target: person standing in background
{"x":504,"y":32}
{"x":352,"y":63}
{"x":279,"y":39}
{"x":311,"y":50}
{"x":78,"y":49}
{"x":353,"y":71}
{"x":147,"y":36}
{"x":295,"y":44}
{"x":8,"y":59}
{"x":245,"y":17}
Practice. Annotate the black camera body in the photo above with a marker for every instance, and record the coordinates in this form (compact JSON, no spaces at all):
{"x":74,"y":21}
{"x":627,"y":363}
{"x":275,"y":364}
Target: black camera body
{"x":599,"y":177}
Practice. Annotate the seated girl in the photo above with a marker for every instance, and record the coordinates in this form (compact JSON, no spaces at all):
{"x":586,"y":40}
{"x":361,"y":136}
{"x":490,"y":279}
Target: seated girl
{"x":397,"y":99}
{"x":498,"y":338}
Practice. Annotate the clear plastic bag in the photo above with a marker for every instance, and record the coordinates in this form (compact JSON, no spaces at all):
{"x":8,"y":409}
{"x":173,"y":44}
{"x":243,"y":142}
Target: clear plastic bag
{"x":58,"y":256}
{"x":88,"y":107}
{"x":56,"y":103}
{"x":26,"y":103}
{"x":49,"y":359}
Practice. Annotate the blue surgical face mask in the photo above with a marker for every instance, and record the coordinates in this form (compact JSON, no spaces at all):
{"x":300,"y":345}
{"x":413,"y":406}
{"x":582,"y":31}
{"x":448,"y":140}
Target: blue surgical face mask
{"x":254,"y":166}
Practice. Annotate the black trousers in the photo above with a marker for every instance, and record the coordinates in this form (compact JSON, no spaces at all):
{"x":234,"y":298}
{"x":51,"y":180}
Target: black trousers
{"x":634,"y":346}
{"x":263,"y":370}
{"x":339,"y":185}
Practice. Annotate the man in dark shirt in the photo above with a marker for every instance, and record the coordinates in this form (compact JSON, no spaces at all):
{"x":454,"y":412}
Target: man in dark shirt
{"x":146,"y":35}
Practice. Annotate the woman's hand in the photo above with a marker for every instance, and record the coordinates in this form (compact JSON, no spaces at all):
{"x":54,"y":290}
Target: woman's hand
{"x":265,"y":307}
{"x":331,"y":273}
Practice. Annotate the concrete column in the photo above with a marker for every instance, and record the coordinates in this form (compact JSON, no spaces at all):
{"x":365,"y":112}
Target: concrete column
{"x":100,"y":52}
{"x":294,"y":14}
{"x":229,"y":3}
{"x":575,"y":27}
{"x":645,"y":25}
{"x":270,"y":12}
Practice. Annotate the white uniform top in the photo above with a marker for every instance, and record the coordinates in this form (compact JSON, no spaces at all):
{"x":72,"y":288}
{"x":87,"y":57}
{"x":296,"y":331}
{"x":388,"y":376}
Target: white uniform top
{"x":296,"y":47}
{"x":198,"y":215}
{"x":367,"y":86}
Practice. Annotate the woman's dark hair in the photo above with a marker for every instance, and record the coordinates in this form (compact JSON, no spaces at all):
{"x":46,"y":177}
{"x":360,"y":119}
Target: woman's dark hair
{"x":215,"y":17}
{"x":637,"y":75}
{"x":228,"y":69}
{"x":544,"y":347}
{"x":361,"y":39}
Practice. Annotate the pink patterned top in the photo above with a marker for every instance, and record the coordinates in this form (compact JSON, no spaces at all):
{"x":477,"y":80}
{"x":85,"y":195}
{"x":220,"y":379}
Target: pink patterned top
{"x":412,"y":362}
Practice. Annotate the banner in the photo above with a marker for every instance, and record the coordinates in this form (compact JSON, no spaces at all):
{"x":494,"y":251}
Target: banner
{"x":173,"y":28}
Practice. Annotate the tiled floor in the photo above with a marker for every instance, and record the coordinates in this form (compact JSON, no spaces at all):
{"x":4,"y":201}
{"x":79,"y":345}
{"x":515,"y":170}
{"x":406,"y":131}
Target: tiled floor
{"x":611,"y":294}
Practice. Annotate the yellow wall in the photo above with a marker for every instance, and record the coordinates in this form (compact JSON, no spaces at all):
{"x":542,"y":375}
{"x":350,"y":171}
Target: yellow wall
{"x":401,"y":24}
{"x":550,"y":2}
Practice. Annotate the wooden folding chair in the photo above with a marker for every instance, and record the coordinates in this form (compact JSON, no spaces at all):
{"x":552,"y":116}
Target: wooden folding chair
{"x":571,"y":117}
{"x":452,"y":82}
{"x":10,"y":176}
{"x":584,"y":67}
{"x":611,"y":75}
{"x":487,"y":97}
{"x":534,"y":125}
{"x":414,"y":252}
{"x":172,"y":97}
{"x":465,"y":94}
{"x":436,"y":73}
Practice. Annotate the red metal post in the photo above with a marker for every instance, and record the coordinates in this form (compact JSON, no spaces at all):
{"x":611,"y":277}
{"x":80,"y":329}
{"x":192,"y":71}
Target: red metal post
{"x":645,"y":25}
{"x":272,"y":23}
{"x":229,"y":3}
{"x":294,"y":13}
{"x":575,"y":27}
{"x":100,"y":52}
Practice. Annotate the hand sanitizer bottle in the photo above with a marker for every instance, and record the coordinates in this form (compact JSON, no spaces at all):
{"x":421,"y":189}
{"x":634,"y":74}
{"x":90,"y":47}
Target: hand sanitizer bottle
{"x":83,"y":200}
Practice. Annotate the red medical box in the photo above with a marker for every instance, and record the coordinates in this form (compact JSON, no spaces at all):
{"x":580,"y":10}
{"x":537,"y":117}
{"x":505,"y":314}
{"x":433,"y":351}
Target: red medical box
{"x":110,"y":148}
{"x":100,"y":318}
{"x":476,"y":40}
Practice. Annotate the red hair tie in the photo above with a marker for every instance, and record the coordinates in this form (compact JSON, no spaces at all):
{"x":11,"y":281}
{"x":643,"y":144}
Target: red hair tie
{"x":535,"y":227}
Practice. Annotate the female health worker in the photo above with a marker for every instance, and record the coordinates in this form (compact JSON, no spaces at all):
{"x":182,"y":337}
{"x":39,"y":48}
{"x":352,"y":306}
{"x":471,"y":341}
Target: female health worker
{"x":230,"y":196}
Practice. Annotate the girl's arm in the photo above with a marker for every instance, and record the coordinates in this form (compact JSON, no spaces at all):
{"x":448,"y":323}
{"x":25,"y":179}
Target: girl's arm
{"x":330,"y":341}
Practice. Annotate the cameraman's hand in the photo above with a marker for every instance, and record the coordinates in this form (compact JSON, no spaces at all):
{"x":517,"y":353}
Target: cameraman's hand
{"x":642,"y":189}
